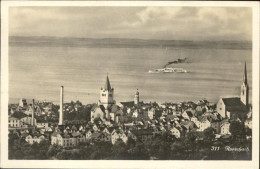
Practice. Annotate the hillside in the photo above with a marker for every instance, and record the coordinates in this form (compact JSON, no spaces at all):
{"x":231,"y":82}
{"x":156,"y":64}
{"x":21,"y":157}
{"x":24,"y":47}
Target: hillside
{"x":123,"y":43}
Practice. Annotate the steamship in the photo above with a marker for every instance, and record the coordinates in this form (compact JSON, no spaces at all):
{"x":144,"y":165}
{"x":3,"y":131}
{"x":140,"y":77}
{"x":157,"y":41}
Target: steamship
{"x":168,"y":70}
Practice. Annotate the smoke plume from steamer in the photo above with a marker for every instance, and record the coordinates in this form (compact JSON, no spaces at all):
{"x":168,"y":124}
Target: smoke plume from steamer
{"x":177,"y":62}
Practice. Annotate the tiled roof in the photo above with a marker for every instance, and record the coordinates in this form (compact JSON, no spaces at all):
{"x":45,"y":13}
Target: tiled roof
{"x":114,"y":108}
{"x":13,"y":118}
{"x":128,"y":104}
{"x":202,"y":118}
{"x":224,"y":122}
{"x":75,"y":134}
{"x":189,"y":113}
{"x":95,"y":106}
{"x":142,"y":132}
{"x":66,"y":135}
{"x":55,"y":133}
{"x":95,"y":135}
{"x":234,"y":104}
{"x":189,"y":124}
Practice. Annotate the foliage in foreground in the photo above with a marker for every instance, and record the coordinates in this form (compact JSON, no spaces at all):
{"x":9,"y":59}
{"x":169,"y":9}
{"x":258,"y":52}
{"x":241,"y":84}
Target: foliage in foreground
{"x":163,"y":147}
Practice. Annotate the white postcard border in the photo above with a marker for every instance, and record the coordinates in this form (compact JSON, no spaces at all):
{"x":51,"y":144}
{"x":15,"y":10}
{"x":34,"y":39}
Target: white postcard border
{"x":127,"y":163}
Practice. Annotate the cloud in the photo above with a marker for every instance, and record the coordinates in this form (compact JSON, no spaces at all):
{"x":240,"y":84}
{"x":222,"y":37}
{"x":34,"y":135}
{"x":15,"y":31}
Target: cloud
{"x":193,"y":23}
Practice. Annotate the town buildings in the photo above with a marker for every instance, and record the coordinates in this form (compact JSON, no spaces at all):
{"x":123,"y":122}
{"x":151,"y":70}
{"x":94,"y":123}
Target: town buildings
{"x":134,"y":119}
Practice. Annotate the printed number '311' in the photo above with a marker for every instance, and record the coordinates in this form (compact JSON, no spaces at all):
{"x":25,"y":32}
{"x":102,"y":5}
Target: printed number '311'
{"x":214,"y":148}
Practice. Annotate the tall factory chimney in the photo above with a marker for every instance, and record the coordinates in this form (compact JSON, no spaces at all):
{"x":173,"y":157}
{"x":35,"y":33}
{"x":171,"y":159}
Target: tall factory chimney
{"x":61,"y":106}
{"x":32,"y":112}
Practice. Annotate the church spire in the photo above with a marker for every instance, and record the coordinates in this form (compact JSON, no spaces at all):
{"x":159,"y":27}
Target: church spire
{"x":107,"y":85}
{"x":245,"y":75}
{"x":244,"y":95}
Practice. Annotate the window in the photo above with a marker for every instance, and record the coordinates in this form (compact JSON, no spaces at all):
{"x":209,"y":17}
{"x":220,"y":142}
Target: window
{"x":103,"y":94}
{"x":110,"y":95}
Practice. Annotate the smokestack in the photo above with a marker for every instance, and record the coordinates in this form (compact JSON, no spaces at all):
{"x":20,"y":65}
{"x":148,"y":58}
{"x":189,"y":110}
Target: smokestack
{"x":61,"y":106}
{"x":32,"y":112}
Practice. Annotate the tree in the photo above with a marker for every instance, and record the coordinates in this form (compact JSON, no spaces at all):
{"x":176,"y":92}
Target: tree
{"x":139,"y":152}
{"x":54,"y":150}
{"x":18,"y":114}
{"x":63,"y":155}
{"x":209,"y":134}
{"x":119,"y":150}
{"x":237,"y":130}
{"x":248,"y":131}
{"x":178,"y":151}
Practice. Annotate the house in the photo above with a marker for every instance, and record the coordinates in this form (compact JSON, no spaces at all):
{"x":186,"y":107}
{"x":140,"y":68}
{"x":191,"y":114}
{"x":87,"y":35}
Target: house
{"x":118,"y":134}
{"x":100,"y":137}
{"x":216,"y":125}
{"x":230,"y":107}
{"x":170,"y":117}
{"x":135,"y":113}
{"x":194,"y":119}
{"x":224,"y":128}
{"x":115,"y":113}
{"x":106,"y":137}
{"x":28,"y":110}
{"x":79,"y":137}
{"x":203,"y":123}
{"x":14,"y":122}
{"x":174,"y":131}
{"x":88,"y":134}
{"x":188,"y":126}
{"x":63,"y":139}
{"x":28,"y":120}
{"x":105,"y":130}
{"x":42,"y":125}
{"x":151,"y":113}
{"x":35,"y":138}
{"x":81,"y":128}
{"x":95,"y":128}
{"x":98,"y":111}
{"x":248,"y":123}
{"x":162,"y":129}
{"x":37,"y":110}
{"x":49,"y":129}
{"x":47,"y":109}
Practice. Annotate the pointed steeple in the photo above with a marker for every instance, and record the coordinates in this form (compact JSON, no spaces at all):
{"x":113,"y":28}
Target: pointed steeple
{"x":244,"y":93}
{"x":245,"y":75}
{"x":107,"y":85}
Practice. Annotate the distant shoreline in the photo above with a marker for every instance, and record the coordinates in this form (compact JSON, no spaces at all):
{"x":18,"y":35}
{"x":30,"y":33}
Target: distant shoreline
{"x":44,"y":41}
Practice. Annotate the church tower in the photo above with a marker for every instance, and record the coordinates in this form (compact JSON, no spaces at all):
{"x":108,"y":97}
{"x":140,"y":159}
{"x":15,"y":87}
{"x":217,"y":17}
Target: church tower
{"x":136,"y":99}
{"x":244,"y":95}
{"x":107,"y":95}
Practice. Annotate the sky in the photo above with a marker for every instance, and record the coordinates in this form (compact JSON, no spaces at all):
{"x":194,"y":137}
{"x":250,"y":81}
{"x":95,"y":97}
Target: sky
{"x":167,"y":23}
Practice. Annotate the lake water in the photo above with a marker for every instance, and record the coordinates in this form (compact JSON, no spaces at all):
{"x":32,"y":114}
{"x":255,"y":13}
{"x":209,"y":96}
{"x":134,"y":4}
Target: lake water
{"x":38,"y":72}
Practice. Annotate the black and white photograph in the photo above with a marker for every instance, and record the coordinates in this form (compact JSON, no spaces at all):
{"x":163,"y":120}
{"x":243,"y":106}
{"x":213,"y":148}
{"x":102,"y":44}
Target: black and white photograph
{"x":130,"y":82}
